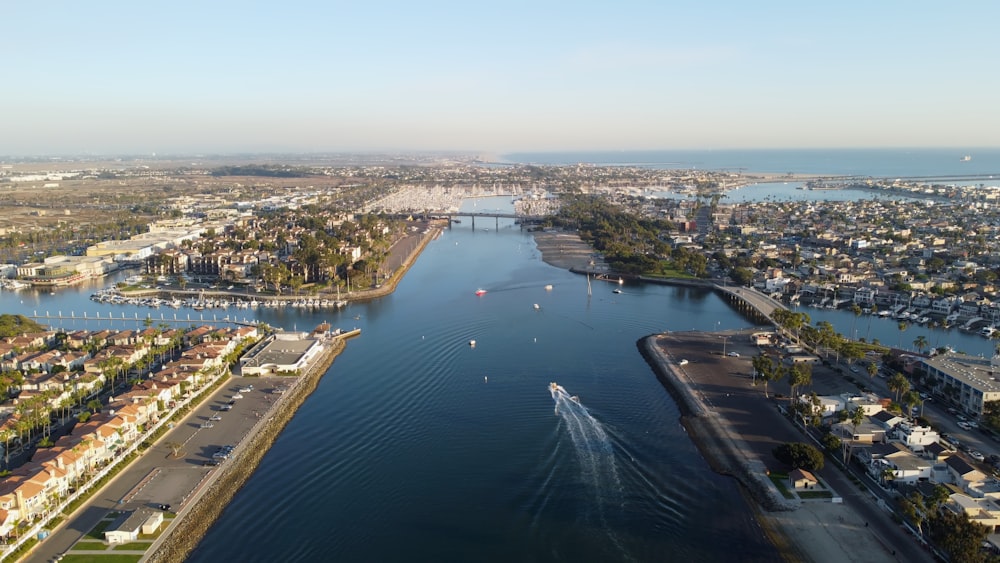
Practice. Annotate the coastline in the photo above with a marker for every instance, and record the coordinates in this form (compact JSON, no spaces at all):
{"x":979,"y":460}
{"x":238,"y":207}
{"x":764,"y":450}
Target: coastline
{"x":201,"y":511}
{"x":721,"y":411}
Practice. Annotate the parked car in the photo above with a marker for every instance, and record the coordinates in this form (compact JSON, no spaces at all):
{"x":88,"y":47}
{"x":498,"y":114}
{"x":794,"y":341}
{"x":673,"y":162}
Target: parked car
{"x":215,"y":417}
{"x":207,"y":425}
{"x":733,"y":354}
{"x":976,"y":456}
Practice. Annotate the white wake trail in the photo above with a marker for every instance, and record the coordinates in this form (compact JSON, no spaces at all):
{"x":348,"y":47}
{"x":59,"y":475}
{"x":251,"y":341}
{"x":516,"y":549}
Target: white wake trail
{"x":595,"y":454}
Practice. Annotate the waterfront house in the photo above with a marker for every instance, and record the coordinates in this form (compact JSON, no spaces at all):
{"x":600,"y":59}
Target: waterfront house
{"x":128,"y":526}
{"x":801,"y":479}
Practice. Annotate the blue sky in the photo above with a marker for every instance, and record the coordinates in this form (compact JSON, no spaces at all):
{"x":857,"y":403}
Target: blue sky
{"x":188,"y":77}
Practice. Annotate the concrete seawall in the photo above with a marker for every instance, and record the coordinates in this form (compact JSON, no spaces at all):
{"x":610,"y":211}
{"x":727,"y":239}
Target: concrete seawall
{"x":710,"y":432}
{"x":207,"y":505}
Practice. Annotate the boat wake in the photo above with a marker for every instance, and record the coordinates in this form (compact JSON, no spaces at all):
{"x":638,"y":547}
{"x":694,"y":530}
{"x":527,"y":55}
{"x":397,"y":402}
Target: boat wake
{"x":595,"y":454}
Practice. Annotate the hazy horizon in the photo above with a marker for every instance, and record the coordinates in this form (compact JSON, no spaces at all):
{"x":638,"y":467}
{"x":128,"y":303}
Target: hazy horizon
{"x":309,"y":77}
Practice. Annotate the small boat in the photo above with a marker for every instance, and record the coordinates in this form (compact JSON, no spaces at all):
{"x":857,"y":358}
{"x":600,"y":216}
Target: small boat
{"x":548,"y":287}
{"x":480,"y":291}
{"x":553,"y":386}
{"x":966,"y":158}
{"x":472,"y":343}
{"x":616,"y":290}
{"x":537,"y":306}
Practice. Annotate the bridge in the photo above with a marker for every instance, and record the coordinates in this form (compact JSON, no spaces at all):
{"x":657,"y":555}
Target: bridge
{"x":520,"y":218}
{"x":749,"y":301}
{"x":61,"y":318}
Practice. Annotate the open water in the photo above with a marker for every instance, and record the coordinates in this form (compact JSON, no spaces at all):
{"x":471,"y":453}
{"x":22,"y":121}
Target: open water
{"x":417,"y":446}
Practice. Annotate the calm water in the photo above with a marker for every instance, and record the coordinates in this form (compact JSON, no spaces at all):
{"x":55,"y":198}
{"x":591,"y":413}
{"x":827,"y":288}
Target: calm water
{"x":418,"y":447}
{"x":860,"y":162}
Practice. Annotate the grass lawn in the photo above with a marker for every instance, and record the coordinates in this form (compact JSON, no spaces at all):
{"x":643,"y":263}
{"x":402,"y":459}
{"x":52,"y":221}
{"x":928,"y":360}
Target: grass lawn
{"x":98,"y":531}
{"x":815,"y":494}
{"x":109,"y":558}
{"x":779,"y":480}
{"x":85,"y":544}
{"x":133,"y":546}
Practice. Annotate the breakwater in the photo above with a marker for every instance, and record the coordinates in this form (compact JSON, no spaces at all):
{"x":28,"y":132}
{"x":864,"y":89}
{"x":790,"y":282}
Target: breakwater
{"x":710,"y":432}
{"x":207,"y":505}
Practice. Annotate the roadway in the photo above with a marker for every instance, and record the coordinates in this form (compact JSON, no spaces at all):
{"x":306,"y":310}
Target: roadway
{"x":157,"y":477}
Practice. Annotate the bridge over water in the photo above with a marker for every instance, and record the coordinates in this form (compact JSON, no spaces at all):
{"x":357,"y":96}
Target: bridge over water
{"x":749,"y":301}
{"x":520,"y":218}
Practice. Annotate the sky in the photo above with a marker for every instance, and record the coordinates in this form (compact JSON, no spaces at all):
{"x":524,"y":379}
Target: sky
{"x":191,"y":77}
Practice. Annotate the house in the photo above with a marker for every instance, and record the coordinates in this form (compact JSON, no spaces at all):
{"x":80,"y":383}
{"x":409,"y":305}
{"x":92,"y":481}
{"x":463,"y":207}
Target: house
{"x":802,"y":479}
{"x":962,"y":473}
{"x":128,"y":526}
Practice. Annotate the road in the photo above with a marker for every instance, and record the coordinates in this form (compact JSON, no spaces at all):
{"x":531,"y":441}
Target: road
{"x":157,"y":477}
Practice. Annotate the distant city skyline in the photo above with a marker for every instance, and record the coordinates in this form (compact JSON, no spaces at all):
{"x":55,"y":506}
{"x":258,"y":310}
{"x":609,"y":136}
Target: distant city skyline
{"x":234,"y":77}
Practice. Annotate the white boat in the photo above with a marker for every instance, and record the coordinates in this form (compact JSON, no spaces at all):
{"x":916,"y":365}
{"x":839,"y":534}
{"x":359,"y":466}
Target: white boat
{"x":548,"y":287}
{"x":472,"y":343}
{"x":616,"y":290}
{"x":537,"y":306}
{"x":966,"y":158}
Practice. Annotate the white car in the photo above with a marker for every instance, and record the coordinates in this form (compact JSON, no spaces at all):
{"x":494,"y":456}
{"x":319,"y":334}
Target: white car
{"x":733,"y":354}
{"x":964,"y":425}
{"x":682,"y":363}
{"x":976,"y":455}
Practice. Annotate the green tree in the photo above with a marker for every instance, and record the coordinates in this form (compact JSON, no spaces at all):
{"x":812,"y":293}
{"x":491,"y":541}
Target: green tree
{"x":800,"y":374}
{"x":959,"y":537}
{"x":898,"y":384}
{"x":799,"y":455}
{"x":767,"y":369}
{"x":920,"y":343}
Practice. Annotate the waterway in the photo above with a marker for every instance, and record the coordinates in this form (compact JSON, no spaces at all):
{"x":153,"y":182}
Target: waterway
{"x":417,"y":446}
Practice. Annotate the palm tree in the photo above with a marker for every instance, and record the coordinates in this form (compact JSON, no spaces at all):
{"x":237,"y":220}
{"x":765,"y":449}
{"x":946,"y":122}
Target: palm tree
{"x":902,"y":328}
{"x":799,"y":375}
{"x":911,"y":398}
{"x":920,"y":343}
{"x":857,"y":313}
{"x":899,"y":384}
{"x":872,"y":369}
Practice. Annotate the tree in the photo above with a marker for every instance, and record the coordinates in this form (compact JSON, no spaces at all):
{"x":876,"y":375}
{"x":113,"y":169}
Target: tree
{"x":799,"y":455}
{"x":857,"y":313}
{"x":800,"y":374}
{"x":767,"y":369}
{"x":902,"y":326}
{"x":959,"y":537}
{"x":899,"y":384}
{"x":176,"y":448}
{"x":831,"y":442}
{"x":911,"y":399}
{"x":872,"y":370}
{"x":857,"y":416}
{"x":920,"y":343}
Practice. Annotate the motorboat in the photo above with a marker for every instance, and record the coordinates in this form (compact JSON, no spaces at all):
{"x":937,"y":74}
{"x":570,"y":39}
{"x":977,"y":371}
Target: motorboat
{"x":548,"y":287}
{"x":616,"y":290}
{"x":472,"y":343}
{"x":553,"y":386}
{"x":537,"y":306}
{"x":480,"y":291}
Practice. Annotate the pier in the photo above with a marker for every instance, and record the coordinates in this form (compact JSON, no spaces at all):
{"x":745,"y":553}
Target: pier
{"x":188,"y":318}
